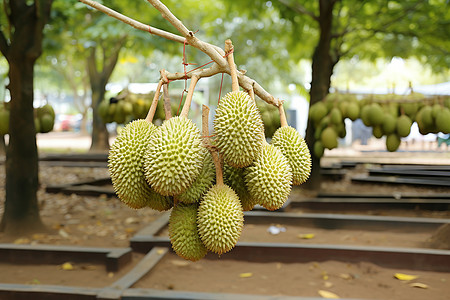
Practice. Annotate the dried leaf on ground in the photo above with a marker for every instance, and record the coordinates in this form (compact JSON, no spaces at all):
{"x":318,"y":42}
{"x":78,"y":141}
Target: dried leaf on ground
{"x":405,"y":277}
{"x":327,"y":294}
{"x":245,"y":275}
{"x":306,"y":236}
{"x":418,"y":285}
{"x":67,"y":266}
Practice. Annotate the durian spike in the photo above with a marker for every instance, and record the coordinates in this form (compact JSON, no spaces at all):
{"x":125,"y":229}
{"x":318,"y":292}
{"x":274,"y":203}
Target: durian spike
{"x":233,"y":71}
{"x":167,"y":106}
{"x":152,"y":110}
{"x":207,"y":143}
{"x":187,"y":103}
{"x":283,"y":119}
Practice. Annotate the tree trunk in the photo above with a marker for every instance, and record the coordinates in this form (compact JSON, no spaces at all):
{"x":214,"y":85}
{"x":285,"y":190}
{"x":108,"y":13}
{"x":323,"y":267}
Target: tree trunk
{"x":21,"y":206}
{"x":98,"y":80}
{"x":22,"y":49}
{"x":322,"y":69}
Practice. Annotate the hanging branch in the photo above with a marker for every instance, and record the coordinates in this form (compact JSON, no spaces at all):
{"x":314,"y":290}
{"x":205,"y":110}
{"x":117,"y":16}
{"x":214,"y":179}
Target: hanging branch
{"x":207,"y":144}
{"x":214,"y":52}
{"x":167,"y":106}
{"x":152,"y":110}
{"x":283,"y":120}
{"x":187,"y":103}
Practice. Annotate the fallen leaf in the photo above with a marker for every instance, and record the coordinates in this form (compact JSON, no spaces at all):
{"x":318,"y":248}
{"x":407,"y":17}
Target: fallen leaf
{"x":110,"y":274}
{"x":328,"y":284}
{"x":22,"y":241}
{"x":245,"y":275}
{"x":405,"y":277}
{"x":180,"y":263}
{"x":306,"y":236}
{"x":160,"y":251}
{"x":418,"y":285}
{"x":67,"y":266}
{"x":328,"y":295}
{"x":324,"y":275}
{"x":63,"y":233}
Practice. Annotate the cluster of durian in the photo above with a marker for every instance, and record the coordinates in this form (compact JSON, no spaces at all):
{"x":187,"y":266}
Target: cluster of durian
{"x":328,"y":117}
{"x":127,"y":106}
{"x":390,"y":116}
{"x":173,"y":167}
{"x":44,"y":118}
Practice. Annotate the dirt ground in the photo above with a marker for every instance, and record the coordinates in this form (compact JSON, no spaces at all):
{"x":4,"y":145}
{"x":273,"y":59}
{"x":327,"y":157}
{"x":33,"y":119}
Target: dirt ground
{"x":106,"y":222}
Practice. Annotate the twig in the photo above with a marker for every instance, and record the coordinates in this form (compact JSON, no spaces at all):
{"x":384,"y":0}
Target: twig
{"x":152,"y":110}
{"x":187,"y":103}
{"x":167,"y":106}
{"x":283,"y":120}
{"x":233,"y":71}
{"x":207,"y":144}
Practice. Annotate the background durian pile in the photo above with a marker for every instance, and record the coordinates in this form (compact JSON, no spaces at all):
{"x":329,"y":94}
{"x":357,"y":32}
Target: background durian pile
{"x":44,"y":118}
{"x":389,"y":115}
{"x":208,"y":181}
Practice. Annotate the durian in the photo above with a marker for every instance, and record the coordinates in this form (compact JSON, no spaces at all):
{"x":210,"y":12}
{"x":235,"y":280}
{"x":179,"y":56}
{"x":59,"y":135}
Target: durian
{"x":318,"y":149}
{"x":234,"y":178}
{"x":174,"y":156}
{"x":403,"y":126}
{"x":183,"y":232}
{"x":295,"y":149}
{"x":390,"y":123}
{"x":392,"y":142}
{"x":239,"y":131}
{"x":269,"y":178}
{"x":125,"y":162}
{"x":329,"y":138}
{"x":202,"y":183}
{"x":220,"y":219}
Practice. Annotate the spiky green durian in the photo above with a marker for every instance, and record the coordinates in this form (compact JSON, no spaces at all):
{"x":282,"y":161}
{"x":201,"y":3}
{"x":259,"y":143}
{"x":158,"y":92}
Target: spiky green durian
{"x":234,"y":178}
{"x":376,"y":114}
{"x":389,"y":124}
{"x":403,"y":126}
{"x":125,"y":162}
{"x":295,"y":149}
{"x":174,"y":157}
{"x":269,"y":178}
{"x":392,"y":142}
{"x":183,"y":232}
{"x":353,"y":111}
{"x":220,"y":219}
{"x":202,"y":183}
{"x":329,"y":138}
{"x":239,"y":130}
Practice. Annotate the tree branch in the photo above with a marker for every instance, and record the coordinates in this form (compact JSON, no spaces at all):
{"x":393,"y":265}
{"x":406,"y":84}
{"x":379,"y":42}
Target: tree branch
{"x":216,"y":53}
{"x":134,"y":23}
{"x":300,"y":9}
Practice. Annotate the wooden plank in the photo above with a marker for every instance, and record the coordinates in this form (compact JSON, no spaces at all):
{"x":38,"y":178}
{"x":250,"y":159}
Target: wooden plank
{"x":74,"y":164}
{"x":115,"y":290}
{"x":153,"y":294}
{"x":408,"y":172}
{"x":113,"y":258}
{"x":402,"y":180}
{"x":395,"y":195}
{"x":46,"y":292}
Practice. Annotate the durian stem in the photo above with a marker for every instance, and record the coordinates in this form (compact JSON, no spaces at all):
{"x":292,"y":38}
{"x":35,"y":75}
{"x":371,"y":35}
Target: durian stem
{"x":167,"y":106}
{"x":233,"y":71}
{"x":283,"y":119}
{"x":152,"y":110}
{"x":251,"y":93}
{"x":207,"y":143}
{"x":187,"y":103}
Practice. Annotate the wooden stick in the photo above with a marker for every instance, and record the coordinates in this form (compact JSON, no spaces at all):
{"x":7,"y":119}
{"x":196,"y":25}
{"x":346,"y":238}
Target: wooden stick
{"x":187,"y":103}
{"x":207,"y":144}
{"x":167,"y":106}
{"x":152,"y":110}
